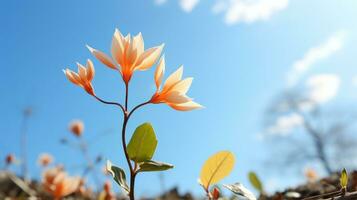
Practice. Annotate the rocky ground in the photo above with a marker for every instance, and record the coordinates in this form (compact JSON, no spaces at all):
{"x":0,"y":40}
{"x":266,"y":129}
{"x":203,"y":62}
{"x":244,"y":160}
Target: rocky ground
{"x":12,"y":187}
{"x":311,"y":190}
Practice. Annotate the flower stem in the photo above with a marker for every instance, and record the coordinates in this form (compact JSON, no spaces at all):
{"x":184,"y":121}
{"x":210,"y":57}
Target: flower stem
{"x":127,"y":115}
{"x":110,"y":103}
{"x":125,"y":122}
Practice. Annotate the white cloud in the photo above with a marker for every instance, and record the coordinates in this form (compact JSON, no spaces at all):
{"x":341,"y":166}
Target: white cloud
{"x":285,"y":124}
{"x":323,"y":88}
{"x":248,"y":11}
{"x":160,"y":2}
{"x":188,"y":5}
{"x":315,"y":54}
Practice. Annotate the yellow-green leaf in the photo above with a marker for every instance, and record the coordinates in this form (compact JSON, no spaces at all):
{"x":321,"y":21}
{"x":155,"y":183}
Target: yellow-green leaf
{"x":143,"y":143}
{"x":344,"y":178}
{"x":256,"y":183}
{"x":151,"y":165}
{"x":216,"y":168}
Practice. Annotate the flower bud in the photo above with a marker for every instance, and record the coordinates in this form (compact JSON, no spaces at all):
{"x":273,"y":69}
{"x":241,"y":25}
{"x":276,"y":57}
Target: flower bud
{"x":76,"y":127}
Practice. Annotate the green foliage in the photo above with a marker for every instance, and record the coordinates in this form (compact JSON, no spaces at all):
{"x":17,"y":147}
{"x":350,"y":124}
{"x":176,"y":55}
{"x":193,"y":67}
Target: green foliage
{"x":344,"y":178}
{"x":255,"y":181}
{"x":142,"y":144}
{"x":118,"y":175}
{"x":151,"y":165}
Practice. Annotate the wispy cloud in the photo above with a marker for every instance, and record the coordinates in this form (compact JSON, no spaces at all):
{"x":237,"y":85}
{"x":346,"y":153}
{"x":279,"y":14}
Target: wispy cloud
{"x":314,"y":55}
{"x":188,"y":5}
{"x":160,"y":2}
{"x":285,"y":124}
{"x":185,"y":5}
{"x":323,"y":87}
{"x":248,"y":11}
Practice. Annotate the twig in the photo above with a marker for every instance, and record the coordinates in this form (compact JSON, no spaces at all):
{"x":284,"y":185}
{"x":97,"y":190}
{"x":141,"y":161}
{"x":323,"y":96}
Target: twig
{"x":337,"y":195}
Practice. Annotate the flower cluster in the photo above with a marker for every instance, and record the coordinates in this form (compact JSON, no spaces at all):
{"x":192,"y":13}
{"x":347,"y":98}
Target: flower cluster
{"x":58,"y":183}
{"x":128,"y":55}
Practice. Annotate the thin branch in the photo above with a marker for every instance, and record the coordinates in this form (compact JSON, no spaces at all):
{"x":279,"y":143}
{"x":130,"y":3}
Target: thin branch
{"x":337,"y":195}
{"x":110,"y":103}
{"x":137,"y":107}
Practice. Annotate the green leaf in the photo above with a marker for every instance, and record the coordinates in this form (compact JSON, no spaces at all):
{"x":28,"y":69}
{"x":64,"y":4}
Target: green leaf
{"x":150,"y":165}
{"x":239,"y":189}
{"x":255,"y":181}
{"x":118,"y":175}
{"x":344,"y":178}
{"x":142,"y":144}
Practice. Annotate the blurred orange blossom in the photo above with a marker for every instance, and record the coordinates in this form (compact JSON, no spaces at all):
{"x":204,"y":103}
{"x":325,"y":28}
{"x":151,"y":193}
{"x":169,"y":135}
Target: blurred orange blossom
{"x":76,"y":127}
{"x":58,"y":183}
{"x":10,"y":158}
{"x":311,"y":174}
{"x":45,"y":159}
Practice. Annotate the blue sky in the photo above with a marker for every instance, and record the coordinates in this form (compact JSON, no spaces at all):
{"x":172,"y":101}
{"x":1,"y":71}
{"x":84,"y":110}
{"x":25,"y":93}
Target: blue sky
{"x":237,"y":65}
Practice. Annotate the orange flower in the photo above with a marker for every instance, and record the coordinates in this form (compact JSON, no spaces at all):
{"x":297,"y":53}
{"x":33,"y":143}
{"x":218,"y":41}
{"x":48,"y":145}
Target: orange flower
{"x":311,"y":174}
{"x":174,"y":90}
{"x":76,"y":127}
{"x":10,"y":158}
{"x":128,"y":55}
{"x":107,"y":193}
{"x":58,"y":183}
{"x":45,"y":159}
{"x":84,"y":76}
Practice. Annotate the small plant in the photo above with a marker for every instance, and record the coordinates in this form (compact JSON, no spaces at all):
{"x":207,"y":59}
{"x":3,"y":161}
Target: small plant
{"x":239,"y":189}
{"x":128,"y":56}
{"x":214,"y":170}
{"x":344,"y":181}
{"x":255,"y":182}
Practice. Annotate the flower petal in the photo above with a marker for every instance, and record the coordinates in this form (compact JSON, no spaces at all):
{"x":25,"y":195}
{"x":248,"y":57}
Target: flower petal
{"x":148,"y":58}
{"x":69,"y":76}
{"x":90,"y":70}
{"x":173,"y":79}
{"x":138,"y":42}
{"x":182,"y":86}
{"x":130,"y":55}
{"x":102,"y":57}
{"x":186,"y":106}
{"x":159,"y":72}
{"x":82,"y":72}
{"x":117,"y":49}
{"x":177,"y":98}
